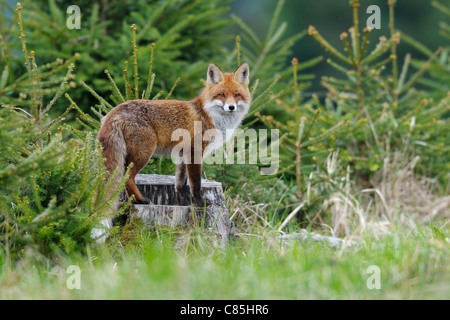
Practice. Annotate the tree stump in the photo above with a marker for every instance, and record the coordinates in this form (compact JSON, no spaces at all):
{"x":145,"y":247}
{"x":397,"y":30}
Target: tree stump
{"x":164,"y":210}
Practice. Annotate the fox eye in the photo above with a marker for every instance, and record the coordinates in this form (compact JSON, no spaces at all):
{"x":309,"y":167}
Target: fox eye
{"x":237,"y":95}
{"x":222,"y":95}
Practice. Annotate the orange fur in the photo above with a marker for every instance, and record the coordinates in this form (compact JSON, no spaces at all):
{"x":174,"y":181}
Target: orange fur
{"x":135,"y":130}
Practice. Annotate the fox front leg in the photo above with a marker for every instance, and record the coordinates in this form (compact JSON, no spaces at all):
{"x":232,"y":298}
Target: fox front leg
{"x":182,"y":189}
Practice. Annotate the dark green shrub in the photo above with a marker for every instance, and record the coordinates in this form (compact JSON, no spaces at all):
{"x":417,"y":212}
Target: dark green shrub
{"x":51,"y":185}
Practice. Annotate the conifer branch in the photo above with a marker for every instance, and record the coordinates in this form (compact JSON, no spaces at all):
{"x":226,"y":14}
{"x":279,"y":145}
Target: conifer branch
{"x":136,"y":76}
{"x":238,"y":50}
{"x":22,"y":37}
{"x":173,"y":88}
{"x":151,"y":76}
{"x":128,"y":92}
{"x":312,"y":31}
{"x":115,"y":89}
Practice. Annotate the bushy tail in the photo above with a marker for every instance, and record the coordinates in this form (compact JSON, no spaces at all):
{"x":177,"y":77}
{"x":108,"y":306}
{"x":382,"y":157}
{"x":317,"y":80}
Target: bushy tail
{"x":114,"y":151}
{"x":114,"y":154}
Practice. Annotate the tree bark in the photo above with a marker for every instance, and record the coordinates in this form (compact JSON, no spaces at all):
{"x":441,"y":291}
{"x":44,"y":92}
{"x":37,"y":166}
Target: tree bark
{"x":164,"y":210}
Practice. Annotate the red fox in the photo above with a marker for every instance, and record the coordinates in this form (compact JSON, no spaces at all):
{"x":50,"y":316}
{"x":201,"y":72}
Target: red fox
{"x":135,"y":130}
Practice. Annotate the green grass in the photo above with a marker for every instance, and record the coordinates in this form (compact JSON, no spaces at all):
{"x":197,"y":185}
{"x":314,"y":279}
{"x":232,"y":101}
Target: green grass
{"x":190,"y":264}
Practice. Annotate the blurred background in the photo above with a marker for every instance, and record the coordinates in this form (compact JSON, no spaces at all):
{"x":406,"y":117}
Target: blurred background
{"x":416,"y":18}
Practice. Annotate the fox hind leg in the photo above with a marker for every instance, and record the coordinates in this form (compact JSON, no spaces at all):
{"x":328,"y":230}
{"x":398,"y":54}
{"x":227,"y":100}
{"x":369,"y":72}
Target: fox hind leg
{"x":139,"y":154}
{"x":132,"y":189}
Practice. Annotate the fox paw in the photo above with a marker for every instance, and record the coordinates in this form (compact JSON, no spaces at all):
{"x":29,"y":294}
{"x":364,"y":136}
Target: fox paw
{"x":144,"y":200}
{"x":183,"y":196}
{"x":200,"y":202}
{"x":182,"y":200}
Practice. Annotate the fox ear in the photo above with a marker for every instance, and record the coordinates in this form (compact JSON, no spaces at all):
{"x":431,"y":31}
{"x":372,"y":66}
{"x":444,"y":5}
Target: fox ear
{"x":214,"y":74}
{"x":242,"y":74}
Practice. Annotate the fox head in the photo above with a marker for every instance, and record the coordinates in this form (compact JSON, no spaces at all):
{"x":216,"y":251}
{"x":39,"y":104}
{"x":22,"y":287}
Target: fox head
{"x":227,"y":94}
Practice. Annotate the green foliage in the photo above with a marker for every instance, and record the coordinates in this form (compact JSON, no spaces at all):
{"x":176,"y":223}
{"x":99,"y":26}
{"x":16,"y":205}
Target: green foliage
{"x":264,"y":54}
{"x":103,"y":41}
{"x":438,"y":80}
{"x":308,"y":151}
{"x":382,"y":109}
{"x":20,"y":155}
{"x":50,"y":197}
{"x":384,"y":112}
{"x":371,"y":113}
{"x":52,"y":187}
{"x":368,"y":115}
{"x":269,"y":78}
{"x":445,"y":27}
{"x":413,"y":266}
{"x":52,"y":177}
{"x":35,"y":91}
{"x":267,"y":58}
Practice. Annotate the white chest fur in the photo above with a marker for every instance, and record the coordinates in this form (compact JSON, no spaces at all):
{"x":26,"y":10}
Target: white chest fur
{"x":225,"y":122}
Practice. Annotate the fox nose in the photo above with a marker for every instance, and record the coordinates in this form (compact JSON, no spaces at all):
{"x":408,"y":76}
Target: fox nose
{"x":231,"y":107}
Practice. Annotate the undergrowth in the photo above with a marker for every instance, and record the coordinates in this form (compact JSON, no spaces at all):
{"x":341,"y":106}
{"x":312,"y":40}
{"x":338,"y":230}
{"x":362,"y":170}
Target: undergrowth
{"x":368,"y":165}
